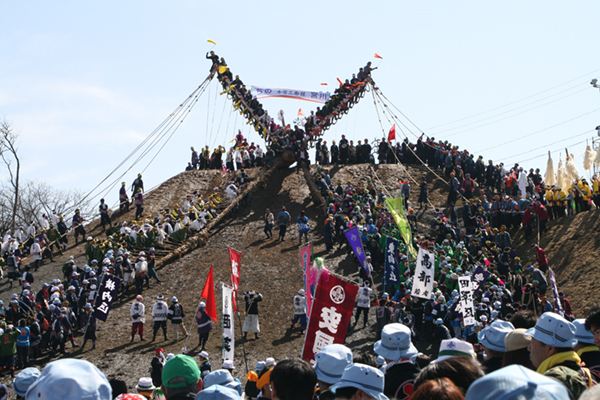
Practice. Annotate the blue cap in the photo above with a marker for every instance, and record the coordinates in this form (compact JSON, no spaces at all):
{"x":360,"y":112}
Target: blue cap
{"x":218,"y":392}
{"x":332,"y":360}
{"x":553,"y":330}
{"x":59,"y":381}
{"x":582,"y":334}
{"x":364,"y":377}
{"x":220,"y":377}
{"x":492,"y":336}
{"x":516,"y":382}
{"x":25,"y":379}
{"x":395,"y":342}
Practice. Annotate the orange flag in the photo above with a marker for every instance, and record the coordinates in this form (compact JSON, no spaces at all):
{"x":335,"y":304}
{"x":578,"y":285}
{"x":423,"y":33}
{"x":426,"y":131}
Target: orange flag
{"x":300,"y":113}
{"x":209,"y":294}
{"x":378,"y":56}
{"x":324,"y":83}
{"x":341,"y":83}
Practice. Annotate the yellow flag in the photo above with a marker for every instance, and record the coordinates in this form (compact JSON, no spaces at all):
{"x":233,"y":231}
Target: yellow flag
{"x":396,"y":208}
{"x":211,"y":41}
{"x":222,"y":68}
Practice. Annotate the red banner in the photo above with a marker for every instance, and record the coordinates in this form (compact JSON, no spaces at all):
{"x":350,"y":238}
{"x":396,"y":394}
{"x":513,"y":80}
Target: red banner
{"x":236,"y":261}
{"x":330,"y":315}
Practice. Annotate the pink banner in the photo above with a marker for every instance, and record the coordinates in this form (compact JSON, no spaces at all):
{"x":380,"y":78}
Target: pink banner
{"x":308,"y":272}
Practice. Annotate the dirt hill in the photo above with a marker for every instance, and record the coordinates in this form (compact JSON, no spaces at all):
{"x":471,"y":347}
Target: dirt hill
{"x":273,"y":268}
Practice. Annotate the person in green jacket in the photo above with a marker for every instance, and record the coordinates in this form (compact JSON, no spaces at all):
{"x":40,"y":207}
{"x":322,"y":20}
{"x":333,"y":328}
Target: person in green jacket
{"x":8,"y":349}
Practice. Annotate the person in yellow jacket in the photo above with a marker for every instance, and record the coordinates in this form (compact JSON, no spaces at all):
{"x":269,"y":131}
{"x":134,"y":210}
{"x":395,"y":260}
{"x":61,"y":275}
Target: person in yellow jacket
{"x":586,"y":195}
{"x":596,"y":191}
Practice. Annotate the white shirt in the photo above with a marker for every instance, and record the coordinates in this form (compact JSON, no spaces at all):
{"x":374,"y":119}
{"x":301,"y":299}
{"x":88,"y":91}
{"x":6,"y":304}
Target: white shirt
{"x":160,"y":310}
{"x":364,"y":297}
{"x":300,"y":306}
{"x":139,"y":309}
{"x":36,"y":251}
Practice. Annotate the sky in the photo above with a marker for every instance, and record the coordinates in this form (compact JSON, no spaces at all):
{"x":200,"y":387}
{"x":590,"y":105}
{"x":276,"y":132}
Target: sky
{"x":84,"y":84}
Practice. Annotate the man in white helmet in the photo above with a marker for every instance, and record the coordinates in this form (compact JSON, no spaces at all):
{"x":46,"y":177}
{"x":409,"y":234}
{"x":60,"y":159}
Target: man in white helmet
{"x":138,"y":312}
{"x":159,"y":315}
{"x":175,"y":315}
{"x":300,"y":310}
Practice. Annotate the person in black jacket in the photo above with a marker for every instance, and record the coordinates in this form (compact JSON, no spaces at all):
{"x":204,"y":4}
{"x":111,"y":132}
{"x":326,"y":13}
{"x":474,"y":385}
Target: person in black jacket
{"x":251,"y":298}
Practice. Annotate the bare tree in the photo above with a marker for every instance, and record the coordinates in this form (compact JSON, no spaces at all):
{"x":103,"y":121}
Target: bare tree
{"x":8,"y":152}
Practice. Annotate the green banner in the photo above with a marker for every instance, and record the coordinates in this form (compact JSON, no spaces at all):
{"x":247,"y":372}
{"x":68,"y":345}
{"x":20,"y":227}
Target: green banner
{"x":397,"y":209}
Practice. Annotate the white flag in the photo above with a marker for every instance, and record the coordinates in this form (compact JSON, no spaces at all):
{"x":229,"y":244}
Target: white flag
{"x":228,"y":330}
{"x":423,"y":279}
{"x":466,"y":299}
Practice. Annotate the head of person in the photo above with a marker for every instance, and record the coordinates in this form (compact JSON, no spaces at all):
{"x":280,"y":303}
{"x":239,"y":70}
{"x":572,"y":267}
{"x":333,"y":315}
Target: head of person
{"x":592,"y":323}
{"x":180,"y":376}
{"x":439,"y":389}
{"x":293,"y":379}
{"x":220,"y":377}
{"x":492,"y":338}
{"x":517,"y":344}
{"x":58,"y":381}
{"x":360,"y":382}
{"x":24,"y":380}
{"x":145,"y":387}
{"x":516,"y":382}
{"x":331,"y":362}
{"x":462,"y":370}
{"x":584,"y":337}
{"x":218,"y":392}
{"x":551,"y":335}
{"x":395,"y":343}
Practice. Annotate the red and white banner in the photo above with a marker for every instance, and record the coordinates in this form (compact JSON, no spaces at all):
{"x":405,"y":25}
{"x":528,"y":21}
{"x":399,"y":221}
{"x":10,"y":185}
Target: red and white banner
{"x":309,"y":273}
{"x":317,"y":97}
{"x":236,"y":261}
{"x":330,"y":315}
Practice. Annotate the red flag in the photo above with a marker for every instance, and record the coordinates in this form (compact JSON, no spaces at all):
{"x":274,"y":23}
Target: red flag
{"x":324,"y":83}
{"x":378,"y":56}
{"x":236,"y":260}
{"x":341,"y":83}
{"x":300,"y":113}
{"x":330,"y":315}
{"x":392,"y":134}
{"x":209,"y":294}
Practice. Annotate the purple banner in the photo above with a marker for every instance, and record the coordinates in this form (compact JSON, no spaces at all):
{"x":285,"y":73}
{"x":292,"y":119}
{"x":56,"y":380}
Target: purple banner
{"x":557,"y":306}
{"x":356,"y":245}
{"x":109,"y":288}
{"x":479,"y":277}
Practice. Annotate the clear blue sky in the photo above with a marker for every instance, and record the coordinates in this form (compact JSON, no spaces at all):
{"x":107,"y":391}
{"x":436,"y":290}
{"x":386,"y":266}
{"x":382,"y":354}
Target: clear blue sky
{"x":85,"y":83}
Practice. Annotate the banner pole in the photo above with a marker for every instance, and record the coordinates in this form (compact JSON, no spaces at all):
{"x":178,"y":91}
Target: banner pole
{"x":243,"y":341}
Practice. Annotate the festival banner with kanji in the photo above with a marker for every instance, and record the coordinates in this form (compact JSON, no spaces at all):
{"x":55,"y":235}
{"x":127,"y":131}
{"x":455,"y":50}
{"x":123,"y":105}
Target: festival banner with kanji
{"x":557,"y":305}
{"x":228,"y":331}
{"x":392,"y":269}
{"x":423,"y":279}
{"x":235,"y":258}
{"x":109,"y":289}
{"x":331,"y":313}
{"x":356,"y":245}
{"x":465,"y":286}
{"x":479,"y":277}
{"x":317,"y":97}
{"x":396,"y":207}
{"x":307,"y":269}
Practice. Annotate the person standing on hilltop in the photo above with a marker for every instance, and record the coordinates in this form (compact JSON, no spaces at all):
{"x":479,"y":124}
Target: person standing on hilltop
{"x":123,"y":199}
{"x":77,"y":225}
{"x":139,"y":203}
{"x":284,"y":219}
{"x":137,"y":184}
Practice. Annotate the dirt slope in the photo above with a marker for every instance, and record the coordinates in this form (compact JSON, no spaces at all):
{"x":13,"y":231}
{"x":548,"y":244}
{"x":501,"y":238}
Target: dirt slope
{"x":273,"y":268}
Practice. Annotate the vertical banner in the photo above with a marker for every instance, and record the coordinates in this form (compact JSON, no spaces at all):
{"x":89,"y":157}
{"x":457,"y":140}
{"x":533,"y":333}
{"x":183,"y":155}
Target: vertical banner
{"x":465,"y":286}
{"x":331,"y":313}
{"x":396,"y":207}
{"x":109,"y":289}
{"x":392,"y":269}
{"x":307,"y":269}
{"x":236,"y":261}
{"x":479,"y":277}
{"x":423,"y":279}
{"x":356,"y":245}
{"x":228,"y":331}
{"x":557,"y":305}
